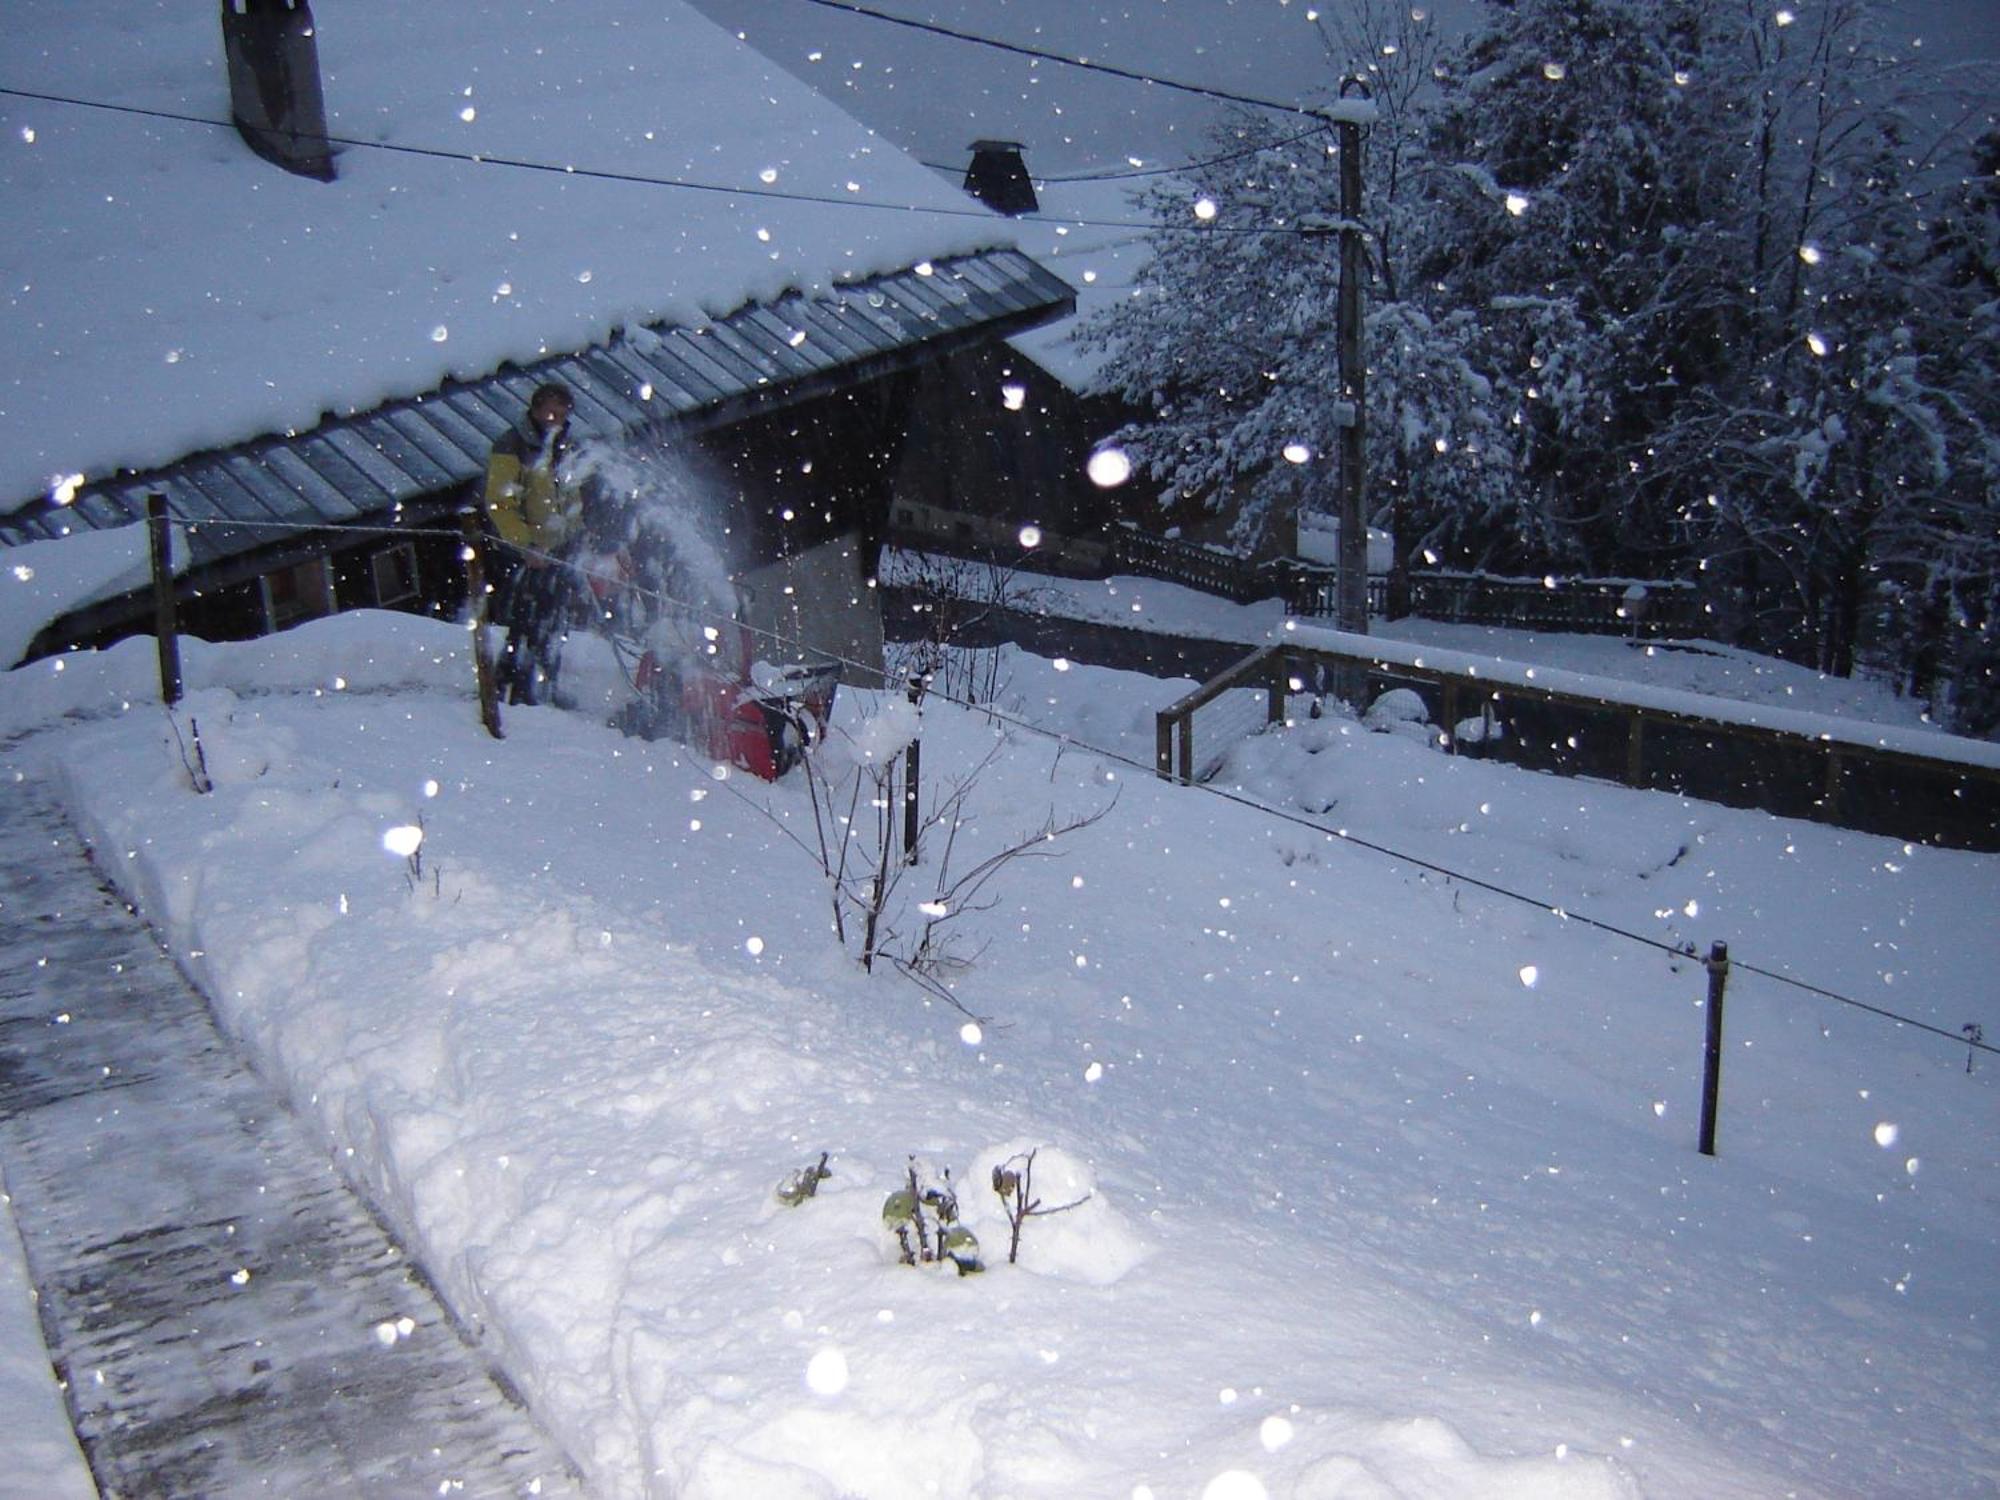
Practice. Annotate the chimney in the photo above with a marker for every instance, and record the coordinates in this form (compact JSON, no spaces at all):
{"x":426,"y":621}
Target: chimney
{"x":274,"y":90}
{"x":999,"y":179}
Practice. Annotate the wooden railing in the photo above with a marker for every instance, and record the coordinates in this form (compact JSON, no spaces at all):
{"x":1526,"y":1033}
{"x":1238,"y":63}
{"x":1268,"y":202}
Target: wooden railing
{"x":1605,"y":606}
{"x":1312,"y":591}
{"x":1874,"y":789}
{"x":1198,"y":567}
{"x":1598,"y":606}
{"x":1173,"y":728}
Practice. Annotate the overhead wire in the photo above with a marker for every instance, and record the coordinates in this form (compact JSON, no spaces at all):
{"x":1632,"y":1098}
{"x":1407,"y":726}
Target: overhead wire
{"x":1681,"y":952}
{"x":1040,"y":54}
{"x":1188,"y":168}
{"x":517,"y":163}
{"x":645,"y":179}
{"x":1178,"y":169}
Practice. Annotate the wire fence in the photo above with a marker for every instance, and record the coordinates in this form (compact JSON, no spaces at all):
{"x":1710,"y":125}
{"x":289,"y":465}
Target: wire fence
{"x":1224,"y":722}
{"x":1264,"y":673}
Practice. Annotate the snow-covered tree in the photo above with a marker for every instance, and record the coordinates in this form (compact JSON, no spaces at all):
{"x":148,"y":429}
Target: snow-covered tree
{"x":1842,"y":453}
{"x":1659,"y":286}
{"x":1605,"y":291}
{"x":1229,"y":341}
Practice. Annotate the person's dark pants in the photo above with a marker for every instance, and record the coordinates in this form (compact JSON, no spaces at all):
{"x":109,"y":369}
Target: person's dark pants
{"x":534,"y":604}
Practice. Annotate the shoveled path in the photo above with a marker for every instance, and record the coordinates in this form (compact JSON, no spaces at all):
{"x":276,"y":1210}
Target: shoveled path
{"x":228,"y":1317}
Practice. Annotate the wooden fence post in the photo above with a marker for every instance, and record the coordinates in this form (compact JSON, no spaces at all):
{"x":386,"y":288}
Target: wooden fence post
{"x":165,"y":626}
{"x":482,"y":659}
{"x":1829,"y":811}
{"x":1711,"y":1073}
{"x":1163,"y":747}
{"x":912,"y":754}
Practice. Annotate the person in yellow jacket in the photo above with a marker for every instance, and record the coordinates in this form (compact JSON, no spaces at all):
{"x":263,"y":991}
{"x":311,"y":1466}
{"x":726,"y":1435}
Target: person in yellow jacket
{"x":535,"y":510}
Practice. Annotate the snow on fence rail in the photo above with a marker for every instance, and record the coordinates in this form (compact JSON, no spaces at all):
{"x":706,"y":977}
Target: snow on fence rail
{"x":1308,"y":588}
{"x":1926,"y":787}
{"x":1594,"y":606}
{"x":1598,"y":606}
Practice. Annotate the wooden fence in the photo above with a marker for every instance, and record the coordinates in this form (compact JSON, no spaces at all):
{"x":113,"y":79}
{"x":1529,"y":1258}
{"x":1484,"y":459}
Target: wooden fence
{"x":1922,"y":798}
{"x":1598,"y":606}
{"x":1307,"y":588}
{"x":1198,"y":567}
{"x":1594,"y":606}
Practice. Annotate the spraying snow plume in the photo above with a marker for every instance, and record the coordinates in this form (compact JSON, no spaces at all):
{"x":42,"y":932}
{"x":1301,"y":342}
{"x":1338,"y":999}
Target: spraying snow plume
{"x":659,"y":517}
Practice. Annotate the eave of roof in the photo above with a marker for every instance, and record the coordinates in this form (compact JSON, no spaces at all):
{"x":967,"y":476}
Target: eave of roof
{"x":658,"y":379}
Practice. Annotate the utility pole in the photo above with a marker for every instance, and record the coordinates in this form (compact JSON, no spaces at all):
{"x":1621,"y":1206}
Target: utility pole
{"x":1351,"y":575}
{"x":166,"y":629}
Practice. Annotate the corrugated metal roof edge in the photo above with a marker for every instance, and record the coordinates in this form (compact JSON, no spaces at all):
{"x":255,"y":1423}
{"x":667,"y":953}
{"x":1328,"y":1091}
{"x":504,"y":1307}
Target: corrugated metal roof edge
{"x":1029,"y":295}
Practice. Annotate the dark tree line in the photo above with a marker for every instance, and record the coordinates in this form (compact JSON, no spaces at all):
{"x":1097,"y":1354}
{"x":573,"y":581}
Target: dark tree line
{"x":1691,"y":288}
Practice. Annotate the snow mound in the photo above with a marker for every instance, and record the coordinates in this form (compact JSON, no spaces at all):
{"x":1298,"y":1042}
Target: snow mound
{"x":1423,"y":1456}
{"x":1092,"y":1242}
{"x":1401,"y":711}
{"x":877,"y":739}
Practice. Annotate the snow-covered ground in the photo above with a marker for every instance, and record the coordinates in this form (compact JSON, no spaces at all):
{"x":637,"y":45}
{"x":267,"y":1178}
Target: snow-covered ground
{"x":42,"y":1459}
{"x":1392,"y":1183}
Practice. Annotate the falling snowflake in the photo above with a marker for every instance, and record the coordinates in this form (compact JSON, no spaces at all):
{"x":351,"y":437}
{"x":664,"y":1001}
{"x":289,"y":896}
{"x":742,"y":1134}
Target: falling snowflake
{"x":1108,"y":468}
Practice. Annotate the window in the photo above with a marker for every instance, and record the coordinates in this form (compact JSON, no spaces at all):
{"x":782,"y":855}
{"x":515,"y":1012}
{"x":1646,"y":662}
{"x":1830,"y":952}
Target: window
{"x":395,"y":573}
{"x":303,"y":591}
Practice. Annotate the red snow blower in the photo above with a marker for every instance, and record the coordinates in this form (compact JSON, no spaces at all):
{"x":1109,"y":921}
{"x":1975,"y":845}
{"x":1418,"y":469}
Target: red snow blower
{"x":700,"y":683}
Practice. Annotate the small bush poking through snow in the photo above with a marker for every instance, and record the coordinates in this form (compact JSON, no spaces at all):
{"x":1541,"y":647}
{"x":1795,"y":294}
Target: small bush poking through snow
{"x":923,"y":1216}
{"x":804,"y":1183}
{"x":1015,"y":1187}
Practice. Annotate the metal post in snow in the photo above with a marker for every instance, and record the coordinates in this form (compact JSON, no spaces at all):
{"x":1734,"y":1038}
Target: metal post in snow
{"x":1711,"y":1073}
{"x":912,"y":757}
{"x":165,"y":626}
{"x":482,"y":658}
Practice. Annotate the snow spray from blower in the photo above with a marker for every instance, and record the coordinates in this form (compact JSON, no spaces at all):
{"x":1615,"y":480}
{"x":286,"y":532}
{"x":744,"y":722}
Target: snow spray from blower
{"x":654,"y":527}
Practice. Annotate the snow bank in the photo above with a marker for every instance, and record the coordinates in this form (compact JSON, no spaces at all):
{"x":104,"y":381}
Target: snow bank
{"x":1368,"y":1212}
{"x":42,"y":1457}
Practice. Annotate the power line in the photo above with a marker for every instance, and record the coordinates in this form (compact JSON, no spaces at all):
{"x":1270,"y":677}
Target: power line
{"x":642,"y":179}
{"x":1182,"y":169}
{"x":1682,"y":952}
{"x":1130,"y":75}
{"x":1187,"y":168}
{"x":517,"y":163}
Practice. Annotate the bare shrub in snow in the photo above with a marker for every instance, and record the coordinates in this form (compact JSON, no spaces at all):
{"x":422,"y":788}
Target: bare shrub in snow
{"x":1015,"y":1187}
{"x":894,"y":905}
{"x":923,"y":1216}
{"x":954,"y":598}
{"x":194,"y":762}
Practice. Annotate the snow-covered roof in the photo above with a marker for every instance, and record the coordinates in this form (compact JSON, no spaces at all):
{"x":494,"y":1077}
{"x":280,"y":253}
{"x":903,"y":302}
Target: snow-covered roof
{"x":165,"y":291}
{"x":647,"y":378}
